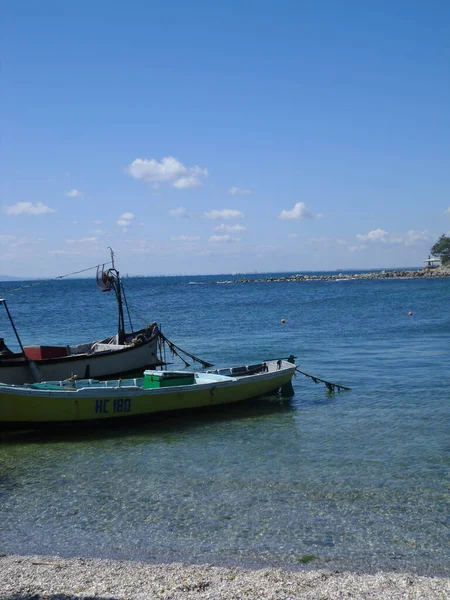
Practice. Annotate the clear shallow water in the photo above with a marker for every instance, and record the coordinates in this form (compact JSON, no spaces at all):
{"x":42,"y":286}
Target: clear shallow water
{"x":358,"y":479}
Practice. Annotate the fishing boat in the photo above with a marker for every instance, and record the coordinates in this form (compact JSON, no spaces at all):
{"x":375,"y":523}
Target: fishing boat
{"x":98,"y":359}
{"x":85,"y":400}
{"x":114,"y":356}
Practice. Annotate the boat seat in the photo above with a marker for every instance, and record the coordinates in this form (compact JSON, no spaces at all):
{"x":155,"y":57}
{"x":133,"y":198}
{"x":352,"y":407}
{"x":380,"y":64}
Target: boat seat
{"x":253,"y":369}
{"x":239,"y":371}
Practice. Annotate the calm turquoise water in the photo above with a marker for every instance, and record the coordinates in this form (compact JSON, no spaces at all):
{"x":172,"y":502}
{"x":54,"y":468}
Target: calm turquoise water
{"x":358,"y":479}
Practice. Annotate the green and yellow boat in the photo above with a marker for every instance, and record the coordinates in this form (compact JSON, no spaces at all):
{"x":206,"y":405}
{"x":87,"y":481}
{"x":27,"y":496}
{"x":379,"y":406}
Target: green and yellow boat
{"x":84,"y":400}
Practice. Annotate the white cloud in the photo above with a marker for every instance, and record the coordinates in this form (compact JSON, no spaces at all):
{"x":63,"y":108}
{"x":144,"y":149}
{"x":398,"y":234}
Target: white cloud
{"x":292,"y":235}
{"x":81,"y":241}
{"x":226,"y":213}
{"x":186,"y":238}
{"x":169,"y":170}
{"x":381,"y":236}
{"x":416,"y":236}
{"x":125,"y":220}
{"x":230,"y":228}
{"x":98,"y":222}
{"x":236,"y":191}
{"x":376,"y":235}
{"x":16,"y":242}
{"x":185,"y":183}
{"x":298,"y":212}
{"x":179,"y":212}
{"x":198,"y":171}
{"x":447,"y":212}
{"x":219,"y":239}
{"x":73,"y":193}
{"x":28,"y":208}
{"x":151,"y":170}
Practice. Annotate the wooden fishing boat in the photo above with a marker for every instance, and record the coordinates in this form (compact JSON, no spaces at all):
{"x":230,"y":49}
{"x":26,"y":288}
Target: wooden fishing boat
{"x":78,"y":401}
{"x":96,"y":359}
{"x":124,"y":353}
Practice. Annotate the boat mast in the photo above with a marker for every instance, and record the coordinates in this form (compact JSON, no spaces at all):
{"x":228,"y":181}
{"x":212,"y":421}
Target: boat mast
{"x":110,"y":280}
{"x":2,"y":301}
{"x":116,"y":285}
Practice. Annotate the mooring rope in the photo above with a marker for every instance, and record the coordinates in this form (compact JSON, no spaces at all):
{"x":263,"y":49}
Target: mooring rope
{"x":173,"y":348}
{"x":174,"y":352}
{"x":330,"y":386}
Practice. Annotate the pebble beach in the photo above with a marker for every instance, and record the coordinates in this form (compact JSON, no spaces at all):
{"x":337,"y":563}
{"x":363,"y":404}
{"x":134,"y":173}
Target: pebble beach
{"x":54,"y":578}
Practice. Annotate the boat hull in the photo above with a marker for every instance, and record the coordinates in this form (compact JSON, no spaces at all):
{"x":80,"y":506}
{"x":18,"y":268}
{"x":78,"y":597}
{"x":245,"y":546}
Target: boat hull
{"x":99,"y":365}
{"x":21,"y":405}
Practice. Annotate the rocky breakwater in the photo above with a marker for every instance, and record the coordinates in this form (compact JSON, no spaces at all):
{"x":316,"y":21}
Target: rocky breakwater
{"x":394,"y":274}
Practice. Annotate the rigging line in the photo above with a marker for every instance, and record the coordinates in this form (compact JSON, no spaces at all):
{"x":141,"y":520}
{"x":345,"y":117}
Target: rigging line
{"x":23,"y":287}
{"x":138,"y":315}
{"x":165,"y":341}
{"x":126,"y":305}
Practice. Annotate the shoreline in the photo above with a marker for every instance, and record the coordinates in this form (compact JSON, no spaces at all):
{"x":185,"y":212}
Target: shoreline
{"x":48,"y":577}
{"x":435,"y":273}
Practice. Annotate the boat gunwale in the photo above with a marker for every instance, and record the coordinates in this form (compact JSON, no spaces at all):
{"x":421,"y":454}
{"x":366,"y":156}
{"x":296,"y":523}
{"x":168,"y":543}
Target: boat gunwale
{"x":20,"y":358}
{"x":133,"y":391}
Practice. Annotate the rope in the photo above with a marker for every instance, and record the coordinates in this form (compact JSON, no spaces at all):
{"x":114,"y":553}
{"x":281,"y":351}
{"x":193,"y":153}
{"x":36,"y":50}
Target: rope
{"x":126,"y":305}
{"x":162,"y":338}
{"x":23,"y":287}
{"x":330,"y":386}
{"x":174,"y":352}
{"x":138,"y":315}
{"x":173,"y":348}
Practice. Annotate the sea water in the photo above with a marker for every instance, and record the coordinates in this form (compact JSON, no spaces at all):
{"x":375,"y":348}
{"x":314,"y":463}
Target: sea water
{"x":350,"y":480}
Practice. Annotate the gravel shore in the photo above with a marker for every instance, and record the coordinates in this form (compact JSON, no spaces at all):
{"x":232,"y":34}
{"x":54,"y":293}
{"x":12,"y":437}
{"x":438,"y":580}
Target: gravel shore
{"x":53,"y":578}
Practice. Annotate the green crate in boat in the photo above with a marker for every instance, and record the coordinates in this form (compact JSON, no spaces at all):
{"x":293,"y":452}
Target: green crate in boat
{"x":159,"y":379}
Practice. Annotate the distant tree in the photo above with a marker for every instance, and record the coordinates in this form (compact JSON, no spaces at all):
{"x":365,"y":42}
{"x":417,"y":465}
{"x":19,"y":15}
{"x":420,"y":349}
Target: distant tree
{"x":442,"y":249}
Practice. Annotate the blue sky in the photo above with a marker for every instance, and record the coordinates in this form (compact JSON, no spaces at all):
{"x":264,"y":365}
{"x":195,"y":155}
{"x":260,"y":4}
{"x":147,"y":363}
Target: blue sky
{"x":219,"y":137}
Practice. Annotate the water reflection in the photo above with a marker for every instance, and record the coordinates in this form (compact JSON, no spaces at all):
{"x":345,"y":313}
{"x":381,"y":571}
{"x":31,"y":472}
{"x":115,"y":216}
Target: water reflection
{"x":154,"y":424}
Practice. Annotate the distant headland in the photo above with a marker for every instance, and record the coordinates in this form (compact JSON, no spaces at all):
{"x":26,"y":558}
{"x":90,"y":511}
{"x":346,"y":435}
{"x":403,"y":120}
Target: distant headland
{"x":425,"y":273}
